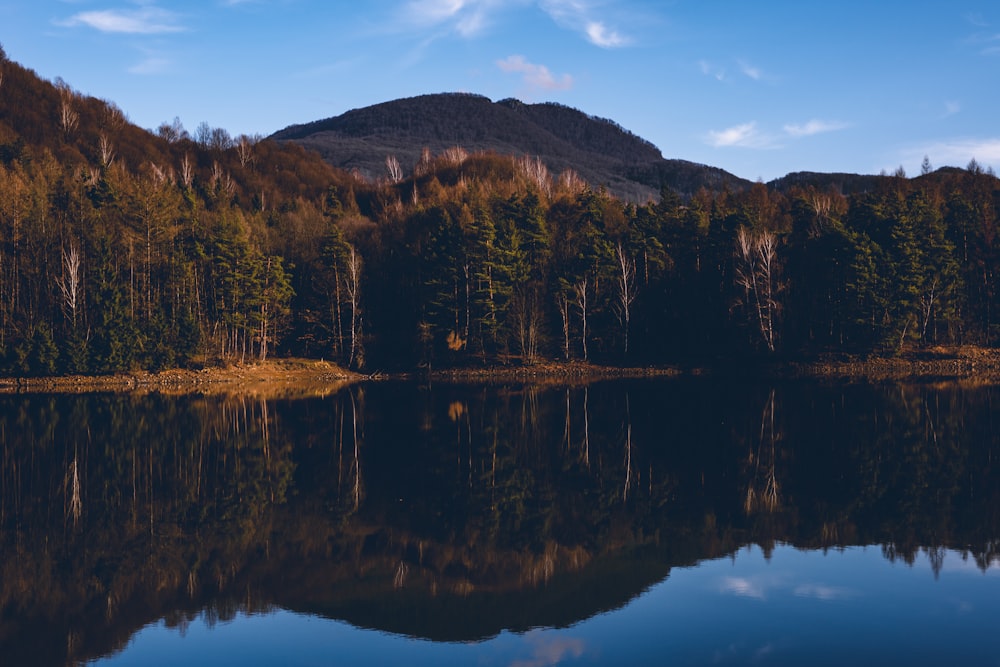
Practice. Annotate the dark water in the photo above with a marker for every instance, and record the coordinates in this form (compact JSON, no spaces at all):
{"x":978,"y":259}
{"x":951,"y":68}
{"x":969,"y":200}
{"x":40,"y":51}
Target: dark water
{"x":686,"y":521}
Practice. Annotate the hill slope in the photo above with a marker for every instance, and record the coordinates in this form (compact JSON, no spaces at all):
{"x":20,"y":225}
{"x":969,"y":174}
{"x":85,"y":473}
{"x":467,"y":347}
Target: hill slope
{"x":599,"y":150}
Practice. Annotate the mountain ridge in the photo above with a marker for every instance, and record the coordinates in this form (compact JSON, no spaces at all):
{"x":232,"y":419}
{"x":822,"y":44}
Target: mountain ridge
{"x":600,"y":150}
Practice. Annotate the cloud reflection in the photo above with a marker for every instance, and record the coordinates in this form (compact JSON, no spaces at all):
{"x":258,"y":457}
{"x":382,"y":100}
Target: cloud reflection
{"x":549,"y":650}
{"x":760,"y":588}
{"x":821,"y":592}
{"x":744,"y":587}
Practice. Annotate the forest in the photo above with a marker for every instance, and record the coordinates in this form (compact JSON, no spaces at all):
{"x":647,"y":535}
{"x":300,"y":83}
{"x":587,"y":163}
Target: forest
{"x":123,"y":248}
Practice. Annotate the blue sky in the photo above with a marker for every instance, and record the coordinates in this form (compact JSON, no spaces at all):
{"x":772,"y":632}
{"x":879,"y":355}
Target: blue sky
{"x":757,"y":88}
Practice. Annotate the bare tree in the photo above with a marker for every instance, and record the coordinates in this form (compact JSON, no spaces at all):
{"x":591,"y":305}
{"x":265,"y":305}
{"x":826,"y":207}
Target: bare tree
{"x":107,"y":150}
{"x":423,"y":165}
{"x":527,"y":320}
{"x":172,"y":132}
{"x":535,"y":172}
{"x":245,"y":149}
{"x":352,"y":286}
{"x":69,"y":119}
{"x":187,"y":170}
{"x":581,"y":291}
{"x":563,"y":306}
{"x":161,"y":175}
{"x":69,"y":282}
{"x":627,"y":289}
{"x":757,"y":274}
{"x":392,"y":166}
{"x":455,"y":156}
{"x":571,"y":183}
{"x":928,"y":298}
{"x":114,"y":118}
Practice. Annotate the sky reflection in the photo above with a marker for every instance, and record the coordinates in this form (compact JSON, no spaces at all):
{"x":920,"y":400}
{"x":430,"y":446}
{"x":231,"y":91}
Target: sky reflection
{"x":796,"y":606}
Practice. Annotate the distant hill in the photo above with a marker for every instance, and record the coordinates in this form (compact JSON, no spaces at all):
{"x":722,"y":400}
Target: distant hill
{"x":846,"y":184}
{"x":599,"y":150}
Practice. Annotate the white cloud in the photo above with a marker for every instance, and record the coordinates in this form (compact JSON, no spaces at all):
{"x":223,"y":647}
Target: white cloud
{"x":579,"y":15}
{"x":146,"y":20}
{"x":741,"y":136}
{"x":814,"y":126}
{"x":951,"y":108}
{"x":600,"y":35}
{"x":469,"y":18}
{"x":535,"y":76}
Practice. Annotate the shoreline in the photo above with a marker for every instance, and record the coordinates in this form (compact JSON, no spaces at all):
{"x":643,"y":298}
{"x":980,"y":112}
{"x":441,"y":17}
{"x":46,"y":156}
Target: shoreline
{"x":280,"y":377}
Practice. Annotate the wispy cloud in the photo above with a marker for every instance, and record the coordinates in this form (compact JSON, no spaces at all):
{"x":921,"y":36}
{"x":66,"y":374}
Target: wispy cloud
{"x":708,"y":69}
{"x":958,"y":152}
{"x":951,"y":108}
{"x":814,"y":126}
{"x":150,"y":66}
{"x":985,"y":38}
{"x":750,"y":71}
{"x":536,"y":77}
{"x":749,"y":135}
{"x":746,"y":135}
{"x":470,"y":18}
{"x":581,"y":15}
{"x":145,"y":20}
{"x":977,"y":20}
{"x":992,"y":50}
{"x":720,"y":72}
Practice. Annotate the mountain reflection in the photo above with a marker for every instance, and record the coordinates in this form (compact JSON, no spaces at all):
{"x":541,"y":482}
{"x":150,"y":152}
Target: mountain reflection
{"x":456,"y":512}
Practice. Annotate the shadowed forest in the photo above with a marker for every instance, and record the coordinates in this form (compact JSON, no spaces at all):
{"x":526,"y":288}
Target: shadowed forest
{"x":122,"y":248}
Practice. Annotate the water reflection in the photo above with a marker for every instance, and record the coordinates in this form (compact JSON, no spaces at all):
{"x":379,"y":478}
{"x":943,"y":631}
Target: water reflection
{"x":460,"y":513}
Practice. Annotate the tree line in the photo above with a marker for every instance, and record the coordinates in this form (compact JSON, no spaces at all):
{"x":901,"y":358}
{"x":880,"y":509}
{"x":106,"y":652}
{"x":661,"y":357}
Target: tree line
{"x":122,"y":248}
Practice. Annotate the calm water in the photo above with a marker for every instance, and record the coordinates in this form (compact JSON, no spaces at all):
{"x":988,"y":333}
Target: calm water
{"x":678,"y":522}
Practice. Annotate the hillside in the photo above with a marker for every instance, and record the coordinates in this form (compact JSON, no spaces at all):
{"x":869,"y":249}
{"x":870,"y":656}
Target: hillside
{"x":599,"y":150}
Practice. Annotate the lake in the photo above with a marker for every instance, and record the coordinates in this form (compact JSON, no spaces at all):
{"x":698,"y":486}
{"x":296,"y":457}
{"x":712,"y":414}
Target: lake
{"x":680,"y":521}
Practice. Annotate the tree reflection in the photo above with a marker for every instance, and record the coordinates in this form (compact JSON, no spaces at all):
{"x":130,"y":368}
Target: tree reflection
{"x":502,"y":497}
{"x":762,"y":488}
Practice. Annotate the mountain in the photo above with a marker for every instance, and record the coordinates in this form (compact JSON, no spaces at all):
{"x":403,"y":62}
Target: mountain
{"x":598,"y":149}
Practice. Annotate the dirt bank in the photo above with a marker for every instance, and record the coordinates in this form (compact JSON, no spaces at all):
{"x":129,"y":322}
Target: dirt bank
{"x":960,"y":363}
{"x":269,"y":378}
{"x":302,"y":377}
